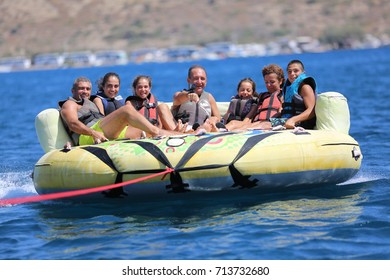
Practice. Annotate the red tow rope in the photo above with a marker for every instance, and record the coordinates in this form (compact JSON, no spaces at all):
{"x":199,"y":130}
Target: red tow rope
{"x":27,"y":199}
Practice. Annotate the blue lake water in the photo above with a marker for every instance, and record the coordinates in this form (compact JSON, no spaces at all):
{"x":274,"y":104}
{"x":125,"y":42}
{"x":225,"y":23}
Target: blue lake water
{"x":341,"y":222}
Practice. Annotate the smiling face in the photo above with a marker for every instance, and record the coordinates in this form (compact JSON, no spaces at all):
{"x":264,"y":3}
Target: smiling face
{"x":245,"y":90}
{"x":293,"y":71}
{"x":81,"y":90}
{"x":111,"y":86}
{"x":198,"y":79}
{"x":142,"y":88}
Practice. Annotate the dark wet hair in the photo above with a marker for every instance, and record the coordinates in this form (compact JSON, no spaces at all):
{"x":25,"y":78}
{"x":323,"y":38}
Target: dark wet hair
{"x":296,"y":61}
{"x":102,"y":81}
{"x":249,"y":80}
{"x":138,"y":78}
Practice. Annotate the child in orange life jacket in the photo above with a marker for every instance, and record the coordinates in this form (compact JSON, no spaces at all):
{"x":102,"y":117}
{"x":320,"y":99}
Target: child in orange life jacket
{"x":147,"y":104}
{"x":299,"y":99}
{"x":242,"y":106}
{"x":269,"y":103}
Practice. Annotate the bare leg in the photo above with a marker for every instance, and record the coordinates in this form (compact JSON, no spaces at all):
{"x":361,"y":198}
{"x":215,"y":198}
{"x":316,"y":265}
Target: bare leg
{"x":234,"y":124}
{"x":208,"y":126}
{"x":166,"y":117}
{"x":213,"y":119}
{"x":133,"y":133}
{"x":115,"y":122}
{"x":264,"y":125}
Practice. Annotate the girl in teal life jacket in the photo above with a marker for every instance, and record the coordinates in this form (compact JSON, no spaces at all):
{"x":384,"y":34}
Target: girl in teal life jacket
{"x":107,"y":98}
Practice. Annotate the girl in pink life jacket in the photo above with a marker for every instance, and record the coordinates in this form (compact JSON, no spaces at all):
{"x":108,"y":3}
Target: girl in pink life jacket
{"x":146,"y":103}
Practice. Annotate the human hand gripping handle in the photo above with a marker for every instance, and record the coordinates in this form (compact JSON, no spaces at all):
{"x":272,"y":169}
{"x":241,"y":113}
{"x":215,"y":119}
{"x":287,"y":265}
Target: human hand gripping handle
{"x":193,"y":97}
{"x":184,"y":96}
{"x":98,"y":137}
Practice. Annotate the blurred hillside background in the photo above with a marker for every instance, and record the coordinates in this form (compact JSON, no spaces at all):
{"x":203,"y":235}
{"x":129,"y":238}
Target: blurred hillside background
{"x":29,"y":27}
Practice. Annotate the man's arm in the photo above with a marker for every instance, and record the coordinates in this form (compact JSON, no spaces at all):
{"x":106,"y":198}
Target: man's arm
{"x":69,"y":115}
{"x":180,"y":97}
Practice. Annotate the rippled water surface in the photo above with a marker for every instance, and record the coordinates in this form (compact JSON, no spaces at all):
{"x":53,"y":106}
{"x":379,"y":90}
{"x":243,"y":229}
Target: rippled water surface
{"x":348,"y":221}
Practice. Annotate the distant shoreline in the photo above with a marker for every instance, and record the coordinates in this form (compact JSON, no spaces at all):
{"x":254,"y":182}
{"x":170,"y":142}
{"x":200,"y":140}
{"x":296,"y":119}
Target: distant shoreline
{"x":213,"y":51}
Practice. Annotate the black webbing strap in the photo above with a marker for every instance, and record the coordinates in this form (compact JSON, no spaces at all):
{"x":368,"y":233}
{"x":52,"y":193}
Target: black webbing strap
{"x":237,"y":112}
{"x":270,"y":109}
{"x":104,"y":157}
{"x":154,"y":151}
{"x":101,"y":154}
{"x":177,"y":184}
{"x":238,"y":178}
{"x":196,"y":113}
{"x":194,"y":148}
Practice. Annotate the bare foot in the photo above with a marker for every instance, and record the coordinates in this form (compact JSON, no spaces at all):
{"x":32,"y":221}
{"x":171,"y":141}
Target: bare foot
{"x":181,"y":127}
{"x":206,"y":126}
{"x":212,"y":125}
{"x":68,"y":146}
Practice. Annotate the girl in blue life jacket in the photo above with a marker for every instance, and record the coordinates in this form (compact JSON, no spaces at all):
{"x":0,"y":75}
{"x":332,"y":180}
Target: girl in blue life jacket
{"x":107,"y":98}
